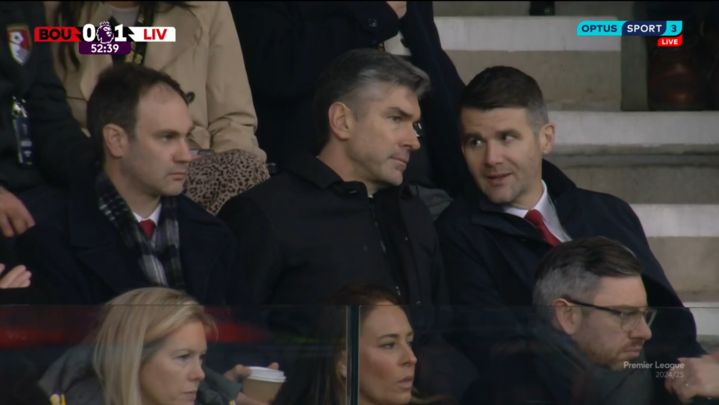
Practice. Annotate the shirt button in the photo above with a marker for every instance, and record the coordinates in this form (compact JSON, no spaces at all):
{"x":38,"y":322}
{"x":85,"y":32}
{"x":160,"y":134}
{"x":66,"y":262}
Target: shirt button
{"x":372,"y":22}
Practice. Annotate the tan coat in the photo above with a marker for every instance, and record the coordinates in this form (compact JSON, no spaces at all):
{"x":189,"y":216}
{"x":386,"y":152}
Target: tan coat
{"x":206,"y":59}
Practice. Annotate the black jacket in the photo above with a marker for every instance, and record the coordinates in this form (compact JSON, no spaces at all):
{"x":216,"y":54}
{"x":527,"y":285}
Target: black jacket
{"x":491,"y":258}
{"x":59,"y":146}
{"x":78,"y":256}
{"x":305,"y":233}
{"x":287,"y":45}
{"x":549,"y":369}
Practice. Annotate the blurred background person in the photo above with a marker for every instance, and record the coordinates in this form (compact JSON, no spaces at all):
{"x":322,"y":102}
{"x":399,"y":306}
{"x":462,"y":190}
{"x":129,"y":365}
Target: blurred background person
{"x":41,"y":145}
{"x":685,"y":77}
{"x":206,"y":59}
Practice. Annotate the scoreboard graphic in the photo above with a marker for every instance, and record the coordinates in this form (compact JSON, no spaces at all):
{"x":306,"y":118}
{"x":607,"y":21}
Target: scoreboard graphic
{"x":104,"y":39}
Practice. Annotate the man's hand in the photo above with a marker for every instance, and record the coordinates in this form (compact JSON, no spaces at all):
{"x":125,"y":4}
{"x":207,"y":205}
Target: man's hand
{"x":698,"y":377}
{"x":240,"y":372}
{"x":18,"y":277}
{"x":14,"y":217}
{"x":399,"y":7}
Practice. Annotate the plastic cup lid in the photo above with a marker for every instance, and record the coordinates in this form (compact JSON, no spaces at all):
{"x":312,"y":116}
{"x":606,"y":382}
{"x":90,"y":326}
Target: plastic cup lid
{"x":267,"y":374}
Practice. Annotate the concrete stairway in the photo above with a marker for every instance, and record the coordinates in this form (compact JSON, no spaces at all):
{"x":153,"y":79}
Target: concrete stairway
{"x":574,"y":72}
{"x":666,"y":164}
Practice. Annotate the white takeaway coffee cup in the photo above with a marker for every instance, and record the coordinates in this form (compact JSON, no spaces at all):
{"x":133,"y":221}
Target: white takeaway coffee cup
{"x":264,"y":383}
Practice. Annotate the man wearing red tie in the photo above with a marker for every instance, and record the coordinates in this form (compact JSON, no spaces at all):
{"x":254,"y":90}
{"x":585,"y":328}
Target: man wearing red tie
{"x":127,"y":225}
{"x":520,"y":206}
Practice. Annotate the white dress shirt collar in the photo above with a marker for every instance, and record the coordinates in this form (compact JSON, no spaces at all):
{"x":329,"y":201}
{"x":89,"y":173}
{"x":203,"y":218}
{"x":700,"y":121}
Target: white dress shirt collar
{"x":154,"y":217}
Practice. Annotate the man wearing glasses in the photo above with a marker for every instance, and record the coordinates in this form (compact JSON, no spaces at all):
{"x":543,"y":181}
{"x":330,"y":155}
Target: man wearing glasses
{"x":591,"y":290}
{"x":586,"y":343}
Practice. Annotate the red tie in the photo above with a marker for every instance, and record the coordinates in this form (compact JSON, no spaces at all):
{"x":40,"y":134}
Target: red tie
{"x":148,"y":226}
{"x":535,"y":217}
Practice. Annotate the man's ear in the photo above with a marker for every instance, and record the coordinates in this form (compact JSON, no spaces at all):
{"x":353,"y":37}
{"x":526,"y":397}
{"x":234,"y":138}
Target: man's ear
{"x":341,"y":120}
{"x":546,"y":137}
{"x":115,"y":139}
{"x":567,"y":317}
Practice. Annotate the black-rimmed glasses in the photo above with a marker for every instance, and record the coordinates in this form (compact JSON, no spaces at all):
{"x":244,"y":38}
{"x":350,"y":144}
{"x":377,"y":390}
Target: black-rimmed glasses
{"x":629,"y":318}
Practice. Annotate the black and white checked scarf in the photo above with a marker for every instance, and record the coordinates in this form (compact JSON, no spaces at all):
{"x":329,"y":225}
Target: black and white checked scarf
{"x":159,"y":257}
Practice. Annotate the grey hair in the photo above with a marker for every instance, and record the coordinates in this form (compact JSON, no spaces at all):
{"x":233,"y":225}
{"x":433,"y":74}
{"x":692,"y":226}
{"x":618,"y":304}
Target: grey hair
{"x":575,"y":269}
{"x":352,"y":74}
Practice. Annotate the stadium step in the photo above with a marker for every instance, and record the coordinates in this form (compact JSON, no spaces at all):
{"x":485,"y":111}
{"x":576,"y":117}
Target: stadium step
{"x":666,"y":165}
{"x":574,"y":72}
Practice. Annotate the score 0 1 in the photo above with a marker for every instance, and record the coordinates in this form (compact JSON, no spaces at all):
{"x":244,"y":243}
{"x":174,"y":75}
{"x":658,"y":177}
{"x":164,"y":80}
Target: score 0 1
{"x":103,"y":33}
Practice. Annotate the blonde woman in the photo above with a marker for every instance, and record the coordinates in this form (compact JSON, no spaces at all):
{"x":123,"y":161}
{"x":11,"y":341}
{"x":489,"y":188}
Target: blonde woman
{"x":157,"y":334}
{"x":148,"y":350}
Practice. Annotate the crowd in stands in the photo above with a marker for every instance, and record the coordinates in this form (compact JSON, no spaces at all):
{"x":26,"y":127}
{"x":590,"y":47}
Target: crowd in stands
{"x":141,"y":183}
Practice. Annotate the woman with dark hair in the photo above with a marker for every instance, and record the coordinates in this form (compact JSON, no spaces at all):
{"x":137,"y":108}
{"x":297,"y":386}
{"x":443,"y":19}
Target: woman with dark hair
{"x":386,"y":359}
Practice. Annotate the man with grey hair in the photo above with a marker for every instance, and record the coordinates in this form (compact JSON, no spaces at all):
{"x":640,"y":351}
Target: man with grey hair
{"x":592,"y":291}
{"x":586,"y":343}
{"x":344,"y":216}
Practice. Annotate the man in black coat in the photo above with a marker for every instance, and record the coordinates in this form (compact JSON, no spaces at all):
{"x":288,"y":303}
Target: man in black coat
{"x":288,"y":44}
{"x":585,"y":343}
{"x":345,"y":215}
{"x":40,"y":141}
{"x":519,"y":206}
{"x":127,"y":225}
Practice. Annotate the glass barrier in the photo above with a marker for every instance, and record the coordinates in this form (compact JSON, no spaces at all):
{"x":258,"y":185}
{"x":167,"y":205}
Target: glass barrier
{"x":582,"y":354}
{"x":379,"y":354}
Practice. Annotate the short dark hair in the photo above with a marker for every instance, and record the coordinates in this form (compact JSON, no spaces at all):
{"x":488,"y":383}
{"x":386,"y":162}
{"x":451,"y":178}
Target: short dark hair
{"x":355,"y":71}
{"x":506,"y":87}
{"x":117,"y":95}
{"x":576,"y":267}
